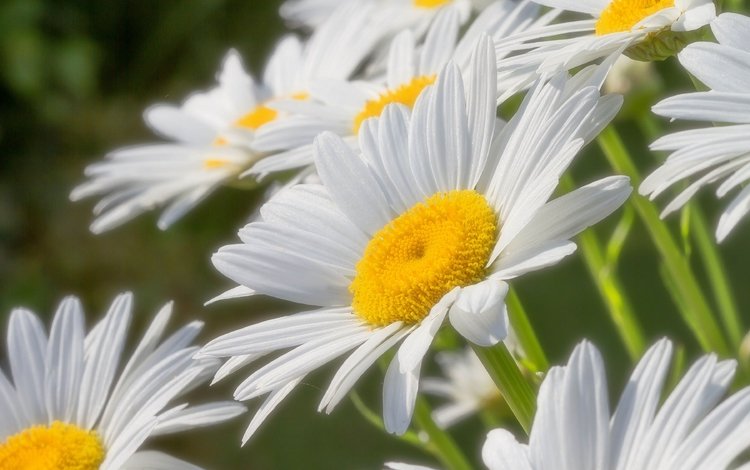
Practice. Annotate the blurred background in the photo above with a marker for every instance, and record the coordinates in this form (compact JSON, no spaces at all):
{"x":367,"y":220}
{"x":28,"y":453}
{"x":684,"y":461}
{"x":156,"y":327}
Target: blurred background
{"x":75,"y":76}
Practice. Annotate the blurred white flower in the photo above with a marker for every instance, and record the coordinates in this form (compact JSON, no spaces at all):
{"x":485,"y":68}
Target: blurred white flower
{"x":71,"y":403}
{"x":219,"y":133}
{"x":711,"y":154}
{"x":573,"y":428}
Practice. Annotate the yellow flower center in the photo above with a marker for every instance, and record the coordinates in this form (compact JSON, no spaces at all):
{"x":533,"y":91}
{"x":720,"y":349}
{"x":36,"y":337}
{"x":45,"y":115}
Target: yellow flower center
{"x":411,"y":263}
{"x":262,"y":114}
{"x":59,"y":446}
{"x":257,"y":117}
{"x":623,"y":15}
{"x":405,"y":94}
{"x":430,"y":3}
{"x":215,"y":163}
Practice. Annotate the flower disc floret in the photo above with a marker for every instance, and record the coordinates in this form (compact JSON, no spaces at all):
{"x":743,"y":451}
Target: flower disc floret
{"x":430,"y":3}
{"x":405,"y":94}
{"x":411,"y":263}
{"x":623,"y":15}
{"x":58,"y":446}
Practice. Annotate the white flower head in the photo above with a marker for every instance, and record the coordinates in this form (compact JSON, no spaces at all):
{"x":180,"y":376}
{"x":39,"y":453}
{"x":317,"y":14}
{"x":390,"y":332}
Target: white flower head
{"x":441,"y":207}
{"x":411,"y":66}
{"x":71,"y":402}
{"x":218,"y":134}
{"x":645,"y":29}
{"x":573,"y":429}
{"x":466,"y":385}
{"x":711,"y":154}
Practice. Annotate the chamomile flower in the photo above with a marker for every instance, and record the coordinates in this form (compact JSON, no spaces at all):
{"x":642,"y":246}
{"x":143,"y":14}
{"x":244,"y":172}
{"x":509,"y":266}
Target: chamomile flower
{"x":643,"y":29}
{"x":71,"y":404}
{"x":219,"y":133}
{"x":411,"y":66}
{"x":441,"y":207}
{"x":711,"y":154}
{"x":573,"y":429}
{"x":467,"y":386}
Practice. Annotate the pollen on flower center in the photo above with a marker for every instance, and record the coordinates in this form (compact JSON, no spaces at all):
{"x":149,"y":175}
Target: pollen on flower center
{"x":262,"y":114}
{"x":411,"y":263}
{"x":58,"y":446}
{"x":430,"y":3}
{"x":623,"y":15}
{"x":405,"y":94}
{"x":257,"y":117}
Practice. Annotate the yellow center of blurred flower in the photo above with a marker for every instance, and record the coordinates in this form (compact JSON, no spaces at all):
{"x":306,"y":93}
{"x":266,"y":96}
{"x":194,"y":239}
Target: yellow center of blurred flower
{"x":411,"y":263}
{"x":257,"y":117}
{"x":405,"y":94}
{"x":215,"y":163}
{"x":623,"y":15}
{"x":430,"y":3}
{"x":262,"y":114}
{"x":58,"y":446}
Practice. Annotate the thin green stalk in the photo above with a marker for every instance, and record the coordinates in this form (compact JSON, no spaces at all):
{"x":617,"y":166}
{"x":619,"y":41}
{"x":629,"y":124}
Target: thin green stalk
{"x":448,"y":452}
{"x":410,"y":437}
{"x":525,"y":333}
{"x":513,"y":386}
{"x":711,"y":258}
{"x":717,"y":276}
{"x":696,"y":313}
{"x":610,"y":288}
{"x":613,"y":294}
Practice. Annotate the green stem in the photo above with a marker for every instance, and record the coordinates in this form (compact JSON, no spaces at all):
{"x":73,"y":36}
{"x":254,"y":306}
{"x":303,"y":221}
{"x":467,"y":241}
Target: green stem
{"x":697,"y":313}
{"x":526,"y":337}
{"x":610,"y":289}
{"x":410,"y":437}
{"x":447,"y":451}
{"x":513,"y":386}
{"x":717,"y":276}
{"x":709,"y":253}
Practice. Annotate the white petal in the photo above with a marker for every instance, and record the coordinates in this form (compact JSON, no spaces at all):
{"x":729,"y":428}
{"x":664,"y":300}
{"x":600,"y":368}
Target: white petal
{"x":501,"y":451}
{"x":479,"y":313}
{"x":416,"y":344}
{"x":399,"y":395}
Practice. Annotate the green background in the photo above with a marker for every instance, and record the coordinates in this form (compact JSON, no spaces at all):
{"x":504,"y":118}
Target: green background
{"x":75,"y":76}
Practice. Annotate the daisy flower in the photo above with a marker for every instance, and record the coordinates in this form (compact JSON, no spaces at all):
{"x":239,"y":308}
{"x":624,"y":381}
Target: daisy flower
{"x":70,"y":404}
{"x":411,"y":66}
{"x":467,"y":386}
{"x":218,"y":134}
{"x":712,"y":153}
{"x":643,"y":29}
{"x":573,"y":429}
{"x":437,"y":212}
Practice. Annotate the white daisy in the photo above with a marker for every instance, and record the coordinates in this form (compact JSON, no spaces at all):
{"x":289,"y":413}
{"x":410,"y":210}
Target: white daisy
{"x":573,"y":429}
{"x":439,"y":210}
{"x":410,"y":67}
{"x":644,"y":29}
{"x":219,"y":133}
{"x":713,"y":153}
{"x":70,"y":404}
{"x":467,"y":386}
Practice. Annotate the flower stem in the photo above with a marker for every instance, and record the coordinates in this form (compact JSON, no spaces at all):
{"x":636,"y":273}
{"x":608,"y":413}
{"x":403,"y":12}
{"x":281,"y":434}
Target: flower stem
{"x":526,"y":337}
{"x":708,"y":251}
{"x":446,"y":449}
{"x":696,"y":311}
{"x":508,"y":377}
{"x":603,"y":273}
{"x":717,"y":276}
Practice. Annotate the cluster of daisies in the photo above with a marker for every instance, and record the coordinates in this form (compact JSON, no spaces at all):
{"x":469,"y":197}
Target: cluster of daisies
{"x":402,"y":206}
